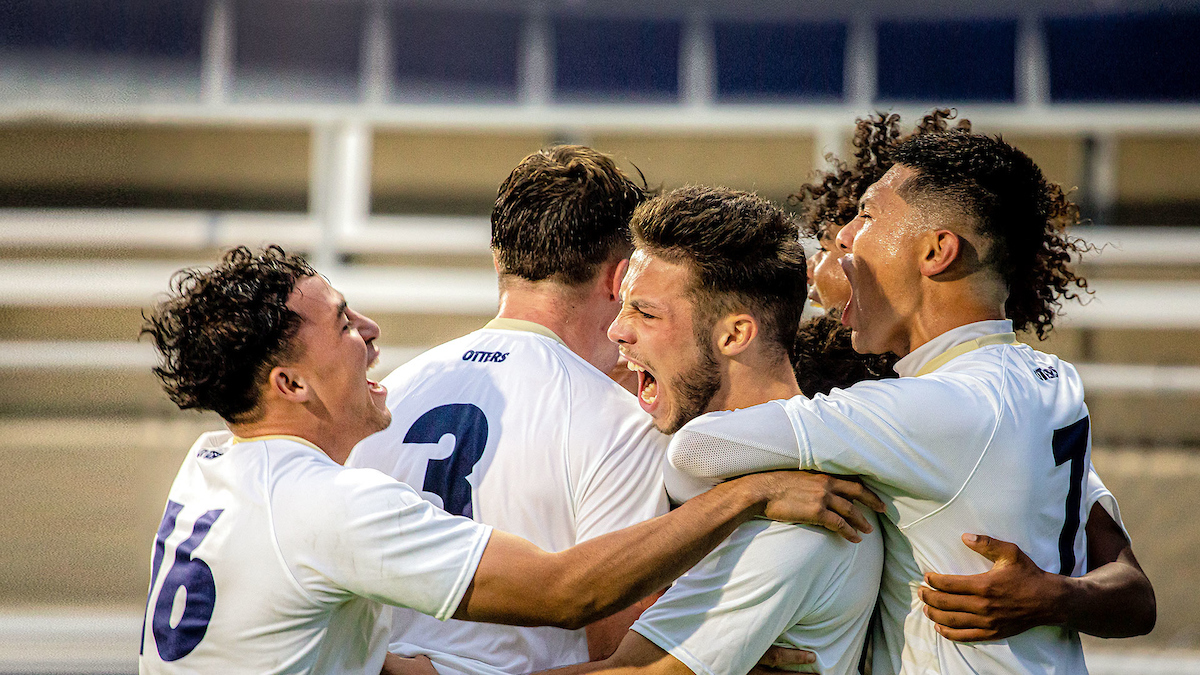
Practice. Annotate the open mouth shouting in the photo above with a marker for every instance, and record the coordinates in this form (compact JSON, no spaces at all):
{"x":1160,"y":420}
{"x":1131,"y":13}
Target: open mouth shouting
{"x":647,"y":386}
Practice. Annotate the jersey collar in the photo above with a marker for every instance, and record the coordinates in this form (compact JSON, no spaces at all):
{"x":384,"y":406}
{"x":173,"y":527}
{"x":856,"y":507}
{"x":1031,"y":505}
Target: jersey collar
{"x":279,"y":437}
{"x":953,"y":344}
{"x":523,"y":325}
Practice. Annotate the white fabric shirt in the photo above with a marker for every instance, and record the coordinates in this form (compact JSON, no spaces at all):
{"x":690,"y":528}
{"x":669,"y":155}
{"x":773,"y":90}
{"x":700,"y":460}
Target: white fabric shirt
{"x":771,"y":583}
{"x":541,"y":444}
{"x":272,"y":558}
{"x":984,"y":436}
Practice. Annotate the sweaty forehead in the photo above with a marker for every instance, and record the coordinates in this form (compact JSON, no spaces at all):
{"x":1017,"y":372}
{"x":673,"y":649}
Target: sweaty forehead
{"x":653,"y":279}
{"x":314,"y":299}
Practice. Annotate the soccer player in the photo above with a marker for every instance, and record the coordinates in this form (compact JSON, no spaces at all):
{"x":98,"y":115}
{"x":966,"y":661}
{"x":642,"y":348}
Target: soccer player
{"x":959,"y":243}
{"x":545,"y":444}
{"x":712,"y":301}
{"x":1011,"y":597}
{"x":274,"y":558}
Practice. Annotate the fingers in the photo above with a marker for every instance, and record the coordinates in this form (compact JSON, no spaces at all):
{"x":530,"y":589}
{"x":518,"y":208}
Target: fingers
{"x":850,"y":513}
{"x":958,"y":620}
{"x":835,"y":523}
{"x":782,"y":657}
{"x":957,"y":583}
{"x":966,"y":634}
{"x":953,"y":603}
{"x":852,"y":489}
{"x":992,"y":549}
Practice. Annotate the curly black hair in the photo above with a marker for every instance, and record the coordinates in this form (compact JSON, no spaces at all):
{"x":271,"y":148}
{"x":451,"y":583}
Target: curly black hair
{"x":1024,"y":216}
{"x":222,"y":329}
{"x":832,"y":200}
{"x":824,"y":358}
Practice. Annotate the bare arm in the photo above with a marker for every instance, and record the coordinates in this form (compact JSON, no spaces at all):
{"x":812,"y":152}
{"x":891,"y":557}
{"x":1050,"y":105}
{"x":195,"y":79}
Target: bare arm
{"x":1114,"y":599}
{"x":604,"y":636}
{"x":517,"y":583}
{"x":639,"y":656}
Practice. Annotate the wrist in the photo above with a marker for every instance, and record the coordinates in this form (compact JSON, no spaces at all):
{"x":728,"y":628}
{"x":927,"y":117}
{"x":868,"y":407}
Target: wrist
{"x":1063,"y":595}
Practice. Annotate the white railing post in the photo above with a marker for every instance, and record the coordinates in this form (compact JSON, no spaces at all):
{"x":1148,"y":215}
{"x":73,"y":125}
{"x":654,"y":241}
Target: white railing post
{"x":535,"y":75}
{"x":376,"y":55}
{"x":697,"y":62}
{"x":861,"y":55}
{"x":340,"y":185}
{"x":218,"y":52}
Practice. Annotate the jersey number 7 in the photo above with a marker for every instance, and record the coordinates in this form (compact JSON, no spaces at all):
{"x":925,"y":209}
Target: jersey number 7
{"x":1070,"y":445}
{"x":191,"y":574}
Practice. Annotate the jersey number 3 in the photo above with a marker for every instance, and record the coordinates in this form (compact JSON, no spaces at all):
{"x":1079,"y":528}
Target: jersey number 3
{"x":194,"y":576}
{"x":447,"y":478}
{"x":1070,"y":445}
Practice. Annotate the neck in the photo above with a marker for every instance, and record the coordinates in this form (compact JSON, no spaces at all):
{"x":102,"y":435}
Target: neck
{"x":579,"y":316}
{"x":749,"y":382}
{"x":948,"y":310}
{"x":328,"y":442}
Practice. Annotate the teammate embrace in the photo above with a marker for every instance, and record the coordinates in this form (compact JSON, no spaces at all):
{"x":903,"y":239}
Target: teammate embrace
{"x":273,"y":557}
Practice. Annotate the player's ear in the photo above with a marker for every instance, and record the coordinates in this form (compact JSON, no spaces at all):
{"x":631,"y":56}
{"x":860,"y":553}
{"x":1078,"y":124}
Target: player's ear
{"x":614,"y":275}
{"x":942,"y":249}
{"x":288,"y":384}
{"x":735,"y":333}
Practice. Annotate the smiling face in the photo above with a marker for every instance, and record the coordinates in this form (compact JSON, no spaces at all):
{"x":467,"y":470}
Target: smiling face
{"x":656,"y":331}
{"x":883,"y":267}
{"x":334,"y":347}
{"x":828,"y":286}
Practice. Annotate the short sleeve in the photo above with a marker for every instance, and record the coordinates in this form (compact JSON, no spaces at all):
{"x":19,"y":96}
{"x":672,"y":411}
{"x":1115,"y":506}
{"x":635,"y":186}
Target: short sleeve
{"x":764,"y":579}
{"x":1097,"y":493}
{"x":378,"y":539}
{"x":622,"y":483}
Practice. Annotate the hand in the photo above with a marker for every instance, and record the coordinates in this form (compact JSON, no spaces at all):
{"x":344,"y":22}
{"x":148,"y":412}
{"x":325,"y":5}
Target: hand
{"x":779,"y":660}
{"x":820,"y":499}
{"x":1012,"y":597}
{"x":400,"y":665}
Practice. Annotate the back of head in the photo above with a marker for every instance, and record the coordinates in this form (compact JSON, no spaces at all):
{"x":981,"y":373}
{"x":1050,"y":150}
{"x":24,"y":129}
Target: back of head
{"x":222,"y":330}
{"x":1005,"y":197}
{"x":561,"y":214}
{"x":744,"y":252}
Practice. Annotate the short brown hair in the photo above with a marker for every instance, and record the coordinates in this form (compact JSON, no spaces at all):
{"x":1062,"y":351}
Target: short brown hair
{"x":745,"y":253}
{"x":222,"y":330}
{"x":562,"y":213}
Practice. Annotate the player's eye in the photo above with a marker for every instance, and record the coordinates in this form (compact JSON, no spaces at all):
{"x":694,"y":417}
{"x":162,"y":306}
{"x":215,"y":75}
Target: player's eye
{"x":645,"y":315}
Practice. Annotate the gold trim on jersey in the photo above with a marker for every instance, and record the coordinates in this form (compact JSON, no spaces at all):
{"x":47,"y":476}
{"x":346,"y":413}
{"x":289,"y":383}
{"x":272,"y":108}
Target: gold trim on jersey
{"x":523,"y":325}
{"x":277,"y":437}
{"x":968,"y":346}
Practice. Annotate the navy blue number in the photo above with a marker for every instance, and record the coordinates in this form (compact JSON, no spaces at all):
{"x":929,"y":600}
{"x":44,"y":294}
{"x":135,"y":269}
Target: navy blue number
{"x":1070,"y":445}
{"x":447,"y":478}
{"x":191,"y":574}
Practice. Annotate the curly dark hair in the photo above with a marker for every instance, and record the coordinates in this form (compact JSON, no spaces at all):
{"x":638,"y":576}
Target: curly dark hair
{"x":824,"y":358}
{"x":1024,"y":216}
{"x":562,"y":213}
{"x":745,"y":253}
{"x":222,"y":329}
{"x":832,"y":200}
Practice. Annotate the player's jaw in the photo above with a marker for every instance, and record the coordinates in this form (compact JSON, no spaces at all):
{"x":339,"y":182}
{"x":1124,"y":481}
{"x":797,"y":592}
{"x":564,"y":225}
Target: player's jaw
{"x":675,"y":398}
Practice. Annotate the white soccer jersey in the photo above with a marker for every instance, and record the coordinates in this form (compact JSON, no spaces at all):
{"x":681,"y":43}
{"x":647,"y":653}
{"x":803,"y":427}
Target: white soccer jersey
{"x":510,"y":427}
{"x":770,"y":583}
{"x":272,"y":558}
{"x":989,"y":437}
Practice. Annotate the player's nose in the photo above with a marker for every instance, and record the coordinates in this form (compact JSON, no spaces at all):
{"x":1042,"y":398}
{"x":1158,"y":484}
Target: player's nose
{"x":845,"y":238}
{"x":619,"y":332}
{"x":367,"y":328}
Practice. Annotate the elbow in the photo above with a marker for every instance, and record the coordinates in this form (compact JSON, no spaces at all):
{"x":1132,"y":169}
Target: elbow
{"x":1147,"y":615}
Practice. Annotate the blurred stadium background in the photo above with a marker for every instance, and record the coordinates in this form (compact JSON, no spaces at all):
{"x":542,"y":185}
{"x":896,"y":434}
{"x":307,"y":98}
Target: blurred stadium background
{"x":140,"y":136}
